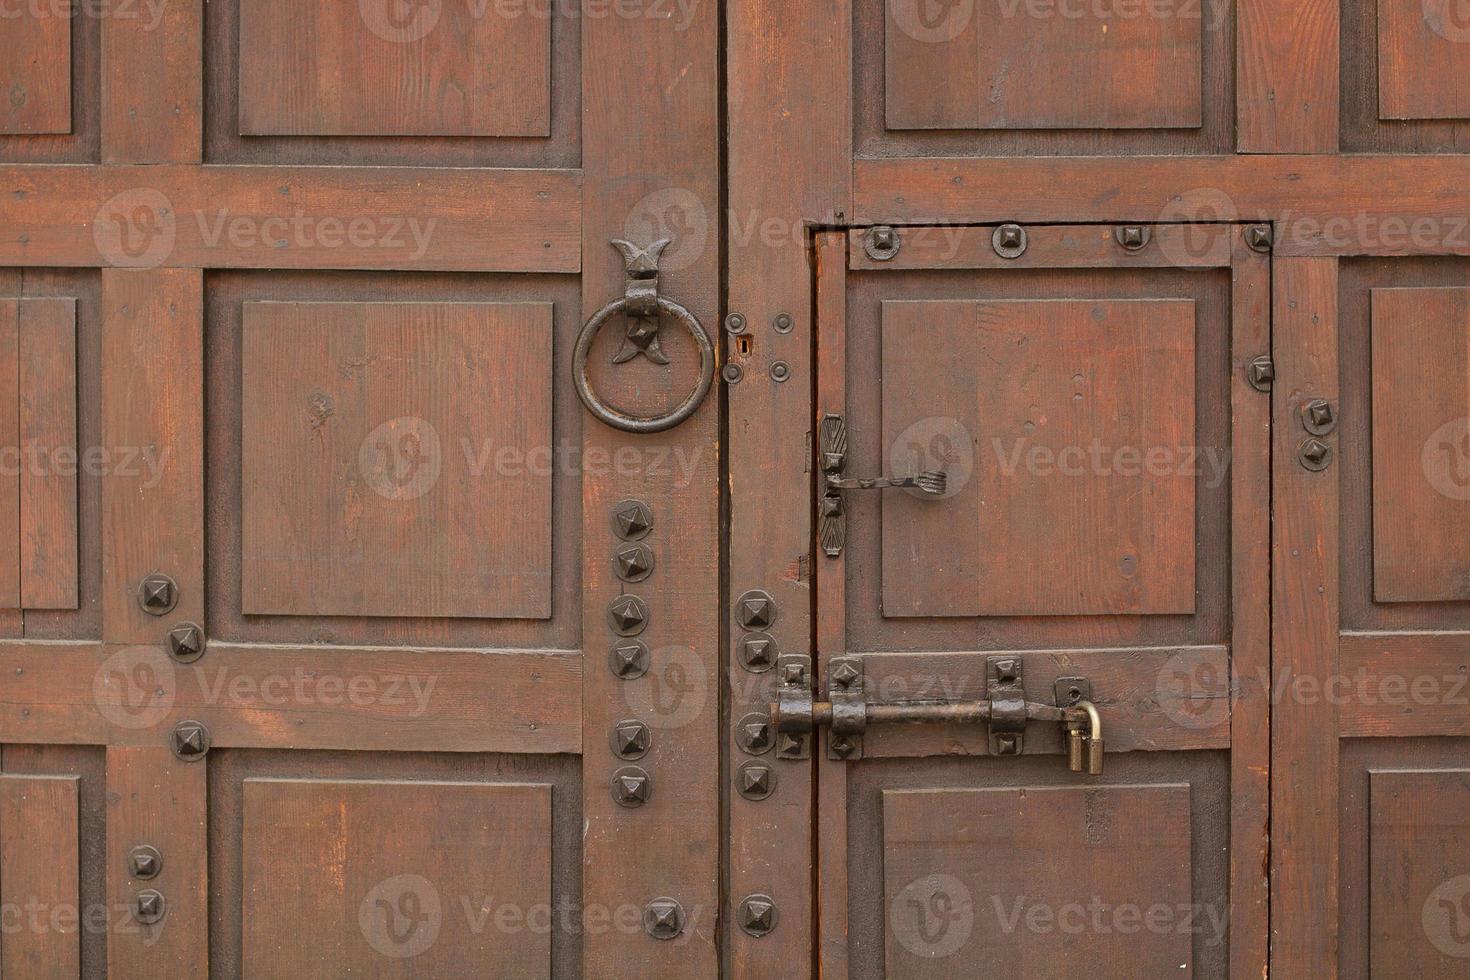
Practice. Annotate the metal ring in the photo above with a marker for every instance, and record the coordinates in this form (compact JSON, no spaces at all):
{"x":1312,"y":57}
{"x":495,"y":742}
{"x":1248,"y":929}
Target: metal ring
{"x":633,"y":423}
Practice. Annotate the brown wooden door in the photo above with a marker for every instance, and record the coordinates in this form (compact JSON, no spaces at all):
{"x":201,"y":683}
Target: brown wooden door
{"x":341,"y":639}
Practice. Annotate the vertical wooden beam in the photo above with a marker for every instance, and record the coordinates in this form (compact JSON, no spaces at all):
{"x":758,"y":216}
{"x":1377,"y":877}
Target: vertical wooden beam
{"x":790,"y":112}
{"x":1304,"y":633}
{"x":40,"y":877}
{"x":156,"y":799}
{"x":651,"y":170}
{"x":152,"y":400}
{"x":10,"y":459}
{"x":48,"y":426}
{"x":152,"y":83}
{"x":1250,"y":614}
{"x":1287,"y":58}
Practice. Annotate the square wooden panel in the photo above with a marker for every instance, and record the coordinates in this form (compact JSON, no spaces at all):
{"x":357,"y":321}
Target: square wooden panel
{"x":992,"y":883}
{"x":40,"y":868}
{"x":39,"y":465}
{"x":1423,"y":59}
{"x":1419,"y":884}
{"x":388,"y":68}
{"x":1067,"y":430}
{"x":390,"y":459}
{"x":395,"y":879}
{"x":35,"y":69}
{"x":989,"y":65}
{"x":1421,"y":444}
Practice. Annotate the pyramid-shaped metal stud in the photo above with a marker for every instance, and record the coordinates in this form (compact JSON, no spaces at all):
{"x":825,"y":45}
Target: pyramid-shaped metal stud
{"x":157,"y":594}
{"x":190,"y":740}
{"x":629,"y":660}
{"x":1132,"y":237}
{"x":755,"y":735}
{"x":628,"y":615}
{"x":145,"y":862}
{"x":148,"y":907}
{"x":757,"y":653}
{"x":631,"y":786}
{"x":756,"y":610}
{"x":186,"y":642}
{"x":845,"y":673}
{"x":758,"y":915}
{"x":633,"y":562}
{"x":630,"y":739}
{"x":632,"y":519}
{"x":789,"y":746}
{"x":663,"y":918}
{"x":755,"y":781}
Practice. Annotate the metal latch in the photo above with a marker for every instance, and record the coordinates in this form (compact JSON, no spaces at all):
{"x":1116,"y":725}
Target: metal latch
{"x":848,"y":712}
{"x":832,"y":514}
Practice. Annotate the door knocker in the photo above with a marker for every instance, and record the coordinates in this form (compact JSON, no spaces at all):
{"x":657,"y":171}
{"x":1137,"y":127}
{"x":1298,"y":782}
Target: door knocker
{"x":642,"y":304}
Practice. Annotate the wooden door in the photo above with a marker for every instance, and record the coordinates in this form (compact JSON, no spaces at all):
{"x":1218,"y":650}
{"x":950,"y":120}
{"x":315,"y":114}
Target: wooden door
{"x":341,"y":638}
{"x":1102,"y":534}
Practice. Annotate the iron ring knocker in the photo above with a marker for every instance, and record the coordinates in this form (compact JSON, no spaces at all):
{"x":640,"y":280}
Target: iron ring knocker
{"x":641,"y":299}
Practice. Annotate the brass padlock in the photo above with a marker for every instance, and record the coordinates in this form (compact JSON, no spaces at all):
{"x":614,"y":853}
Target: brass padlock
{"x":1076,"y":747}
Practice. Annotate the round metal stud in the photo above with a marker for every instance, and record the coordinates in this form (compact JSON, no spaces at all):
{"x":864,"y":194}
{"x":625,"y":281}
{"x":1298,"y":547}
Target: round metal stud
{"x":630,"y":739}
{"x":629,"y":660}
{"x":882,"y":243}
{"x":145,"y":862}
{"x":758,"y":915}
{"x":632,"y":520}
{"x":632,"y":786}
{"x":755,"y":610}
{"x":1259,"y":238}
{"x":1315,"y":455}
{"x":1318,"y":417}
{"x":158,"y":594}
{"x":1133,"y":238}
{"x":780,"y":371}
{"x":149,"y":907}
{"x":628,"y":615}
{"x":186,"y":642}
{"x":754,"y":733}
{"x":783,"y":322}
{"x":1261,"y":372}
{"x":735,"y":323}
{"x":190,"y":740}
{"x":633,"y":562}
{"x":663,"y":918}
{"x":755,"y":780}
{"x":757,"y":652}
{"x":1009,"y":241}
{"x":732,"y":374}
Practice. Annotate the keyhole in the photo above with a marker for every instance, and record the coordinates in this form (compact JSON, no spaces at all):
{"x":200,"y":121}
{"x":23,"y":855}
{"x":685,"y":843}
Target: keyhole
{"x":743,"y":345}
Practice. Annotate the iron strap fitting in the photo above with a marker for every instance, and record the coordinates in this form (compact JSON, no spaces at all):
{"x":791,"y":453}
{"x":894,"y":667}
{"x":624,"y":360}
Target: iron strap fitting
{"x":848,"y":713}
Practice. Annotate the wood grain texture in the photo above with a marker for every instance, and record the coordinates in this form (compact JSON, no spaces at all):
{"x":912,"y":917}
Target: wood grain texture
{"x":964,"y":888}
{"x":153,"y":84}
{"x":1287,"y":71}
{"x":152,"y":396}
{"x":48,"y":440}
{"x":35,"y":69}
{"x":1419,"y":842}
{"x":395,"y":878}
{"x":1250,"y":616}
{"x":373,"y":449}
{"x":1406,"y":684}
{"x":990,"y":66}
{"x":154,"y":798}
{"x":1077,"y":504}
{"x":10,"y":446}
{"x":293,"y":218}
{"x":321,"y":697}
{"x":1423,"y":61}
{"x":1421,"y":444}
{"x":1304,"y":737}
{"x":385,"y":69}
{"x":39,"y":877}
